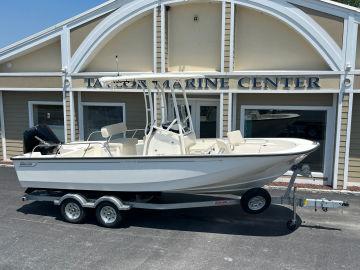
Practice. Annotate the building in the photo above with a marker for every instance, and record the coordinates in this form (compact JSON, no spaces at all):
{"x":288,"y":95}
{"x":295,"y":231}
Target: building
{"x":290,"y":60}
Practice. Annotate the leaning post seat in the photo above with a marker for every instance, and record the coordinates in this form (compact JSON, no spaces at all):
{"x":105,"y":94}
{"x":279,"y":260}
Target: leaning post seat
{"x":235,"y":137}
{"x":111,"y":130}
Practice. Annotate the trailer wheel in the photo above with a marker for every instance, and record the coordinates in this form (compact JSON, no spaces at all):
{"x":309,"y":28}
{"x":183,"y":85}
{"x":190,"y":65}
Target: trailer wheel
{"x":72,"y":211}
{"x":255,"y":200}
{"x":108,"y":215}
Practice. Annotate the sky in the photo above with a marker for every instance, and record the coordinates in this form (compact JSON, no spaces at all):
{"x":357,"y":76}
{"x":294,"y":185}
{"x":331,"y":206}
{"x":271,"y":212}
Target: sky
{"x":22,"y":18}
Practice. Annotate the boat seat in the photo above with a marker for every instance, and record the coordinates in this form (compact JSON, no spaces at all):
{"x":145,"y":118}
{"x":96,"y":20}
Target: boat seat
{"x":235,"y":137}
{"x":111,"y":130}
{"x":123,"y":146}
{"x":223,"y":147}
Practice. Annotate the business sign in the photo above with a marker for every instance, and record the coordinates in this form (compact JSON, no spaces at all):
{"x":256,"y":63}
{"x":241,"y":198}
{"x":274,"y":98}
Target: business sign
{"x":242,"y":83}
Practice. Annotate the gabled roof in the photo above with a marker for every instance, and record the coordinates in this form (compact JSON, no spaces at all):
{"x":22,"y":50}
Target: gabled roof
{"x":35,"y":40}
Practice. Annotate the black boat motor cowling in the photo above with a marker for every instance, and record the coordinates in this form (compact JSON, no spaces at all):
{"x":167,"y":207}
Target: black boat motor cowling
{"x":40,"y":138}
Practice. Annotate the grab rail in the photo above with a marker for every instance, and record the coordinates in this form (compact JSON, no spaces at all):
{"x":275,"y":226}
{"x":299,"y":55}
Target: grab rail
{"x":103,"y":144}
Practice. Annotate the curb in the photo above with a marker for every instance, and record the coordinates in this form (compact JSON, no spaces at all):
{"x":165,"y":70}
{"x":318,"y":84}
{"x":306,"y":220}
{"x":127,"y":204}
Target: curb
{"x":4,"y":165}
{"x":317,"y":190}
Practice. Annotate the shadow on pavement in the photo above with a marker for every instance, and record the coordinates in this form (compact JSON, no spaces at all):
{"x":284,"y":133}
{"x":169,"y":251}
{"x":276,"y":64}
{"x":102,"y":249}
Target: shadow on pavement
{"x":221,"y":220}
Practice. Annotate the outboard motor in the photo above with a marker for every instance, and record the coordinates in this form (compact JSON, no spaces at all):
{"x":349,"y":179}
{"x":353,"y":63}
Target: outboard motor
{"x":41,"y":136}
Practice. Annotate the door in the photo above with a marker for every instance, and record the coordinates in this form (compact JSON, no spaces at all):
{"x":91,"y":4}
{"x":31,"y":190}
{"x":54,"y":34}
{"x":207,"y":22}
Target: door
{"x":205,"y":116}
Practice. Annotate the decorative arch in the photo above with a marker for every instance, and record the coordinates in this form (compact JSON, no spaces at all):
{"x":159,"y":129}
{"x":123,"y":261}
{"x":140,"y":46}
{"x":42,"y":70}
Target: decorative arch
{"x":282,"y":10}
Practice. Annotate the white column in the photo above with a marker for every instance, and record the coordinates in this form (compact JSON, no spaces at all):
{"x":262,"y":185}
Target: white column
{"x":230,"y":109}
{"x":232,"y":27}
{"x":351,"y":38}
{"x":337,"y":140}
{"x":2,"y":123}
{"x":223,"y":14}
{"x":221,"y":116}
{"x":163,"y":18}
{"x":65,"y":62}
{"x":155,"y":40}
{"x":81,"y":116}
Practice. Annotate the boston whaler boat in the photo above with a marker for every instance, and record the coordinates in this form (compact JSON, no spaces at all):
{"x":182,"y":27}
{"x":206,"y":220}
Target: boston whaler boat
{"x":168,"y":159}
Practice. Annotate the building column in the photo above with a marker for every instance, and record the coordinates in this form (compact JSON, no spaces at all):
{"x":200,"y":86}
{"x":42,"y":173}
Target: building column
{"x":226,"y":66}
{"x":2,"y":125}
{"x":345,"y":104}
{"x":161,"y":56}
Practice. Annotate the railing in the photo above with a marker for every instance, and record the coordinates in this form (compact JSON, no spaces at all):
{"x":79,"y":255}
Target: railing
{"x":124,"y":133}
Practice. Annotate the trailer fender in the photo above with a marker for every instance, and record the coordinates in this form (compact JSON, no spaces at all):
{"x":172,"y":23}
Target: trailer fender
{"x":79,"y":198}
{"x":116,"y":201}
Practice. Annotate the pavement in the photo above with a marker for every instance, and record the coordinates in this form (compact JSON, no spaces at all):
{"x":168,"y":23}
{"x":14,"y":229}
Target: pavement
{"x":33,"y":236}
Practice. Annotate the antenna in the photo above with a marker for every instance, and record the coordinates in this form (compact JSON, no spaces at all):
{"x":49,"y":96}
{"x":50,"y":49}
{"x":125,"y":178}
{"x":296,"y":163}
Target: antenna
{"x":117,"y":64}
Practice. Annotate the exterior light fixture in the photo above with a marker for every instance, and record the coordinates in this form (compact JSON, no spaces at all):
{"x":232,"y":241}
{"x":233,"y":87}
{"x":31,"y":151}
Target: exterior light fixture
{"x":196,"y":18}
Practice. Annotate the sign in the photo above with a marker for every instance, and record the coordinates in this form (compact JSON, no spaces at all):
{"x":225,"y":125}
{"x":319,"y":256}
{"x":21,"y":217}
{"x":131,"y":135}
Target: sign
{"x":242,"y":83}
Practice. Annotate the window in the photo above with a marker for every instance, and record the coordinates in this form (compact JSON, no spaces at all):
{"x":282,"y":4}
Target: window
{"x":294,"y":122}
{"x":98,"y":115}
{"x":49,"y":113}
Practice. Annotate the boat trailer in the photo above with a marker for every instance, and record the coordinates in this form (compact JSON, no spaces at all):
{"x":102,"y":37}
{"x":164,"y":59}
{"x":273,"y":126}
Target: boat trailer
{"x":108,"y":207}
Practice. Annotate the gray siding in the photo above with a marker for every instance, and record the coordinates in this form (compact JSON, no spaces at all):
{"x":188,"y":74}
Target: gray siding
{"x":354,"y":162}
{"x":17,"y":116}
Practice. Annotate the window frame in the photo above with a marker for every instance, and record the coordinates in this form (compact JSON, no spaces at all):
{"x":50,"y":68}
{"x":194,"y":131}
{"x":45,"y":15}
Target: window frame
{"x":97,"y":104}
{"x":31,"y":105}
{"x":329,"y":132}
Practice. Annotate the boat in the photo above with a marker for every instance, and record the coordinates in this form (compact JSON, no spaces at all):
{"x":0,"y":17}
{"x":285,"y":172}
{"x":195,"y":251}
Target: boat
{"x":168,"y":158}
{"x":264,"y":123}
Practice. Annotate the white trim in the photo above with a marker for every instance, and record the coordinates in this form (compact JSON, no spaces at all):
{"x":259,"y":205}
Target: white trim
{"x":55,"y":30}
{"x":234,"y":113}
{"x":32,"y":89}
{"x":80,"y":117}
{"x":191,"y":91}
{"x":326,"y":6}
{"x":162,"y":37}
{"x":155,"y":40}
{"x":233,"y":74}
{"x":304,"y":25}
{"x":65,"y":115}
{"x":232,"y":36}
{"x":349,"y":59}
{"x":337,"y":141}
{"x":330,"y":7}
{"x":230,"y":109}
{"x":2,"y":124}
{"x":222,"y":53}
{"x":196,"y":103}
{"x":31,"y":74}
{"x":31,"y":104}
{"x":72,"y":116}
{"x":329,"y":133}
{"x":221,"y":114}
{"x":282,"y":10}
{"x":347,"y":143}
{"x":155,"y":105}
{"x":99,"y":104}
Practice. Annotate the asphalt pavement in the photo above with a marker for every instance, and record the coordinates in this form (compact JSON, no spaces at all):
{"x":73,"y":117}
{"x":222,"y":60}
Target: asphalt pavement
{"x":33,"y":236}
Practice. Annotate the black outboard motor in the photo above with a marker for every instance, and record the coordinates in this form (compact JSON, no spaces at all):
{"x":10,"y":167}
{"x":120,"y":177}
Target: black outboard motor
{"x":40,"y":135}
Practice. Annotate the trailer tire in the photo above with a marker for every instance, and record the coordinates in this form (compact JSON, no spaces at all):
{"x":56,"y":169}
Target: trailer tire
{"x":108,"y":215}
{"x":255,"y":200}
{"x":72,"y":211}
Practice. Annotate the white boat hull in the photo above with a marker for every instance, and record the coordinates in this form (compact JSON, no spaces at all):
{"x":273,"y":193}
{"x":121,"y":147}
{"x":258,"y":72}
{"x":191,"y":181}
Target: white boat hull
{"x":212,"y":174}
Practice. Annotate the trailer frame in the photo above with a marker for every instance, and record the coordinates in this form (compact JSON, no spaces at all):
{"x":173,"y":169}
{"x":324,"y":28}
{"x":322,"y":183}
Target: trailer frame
{"x":289,"y":198}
